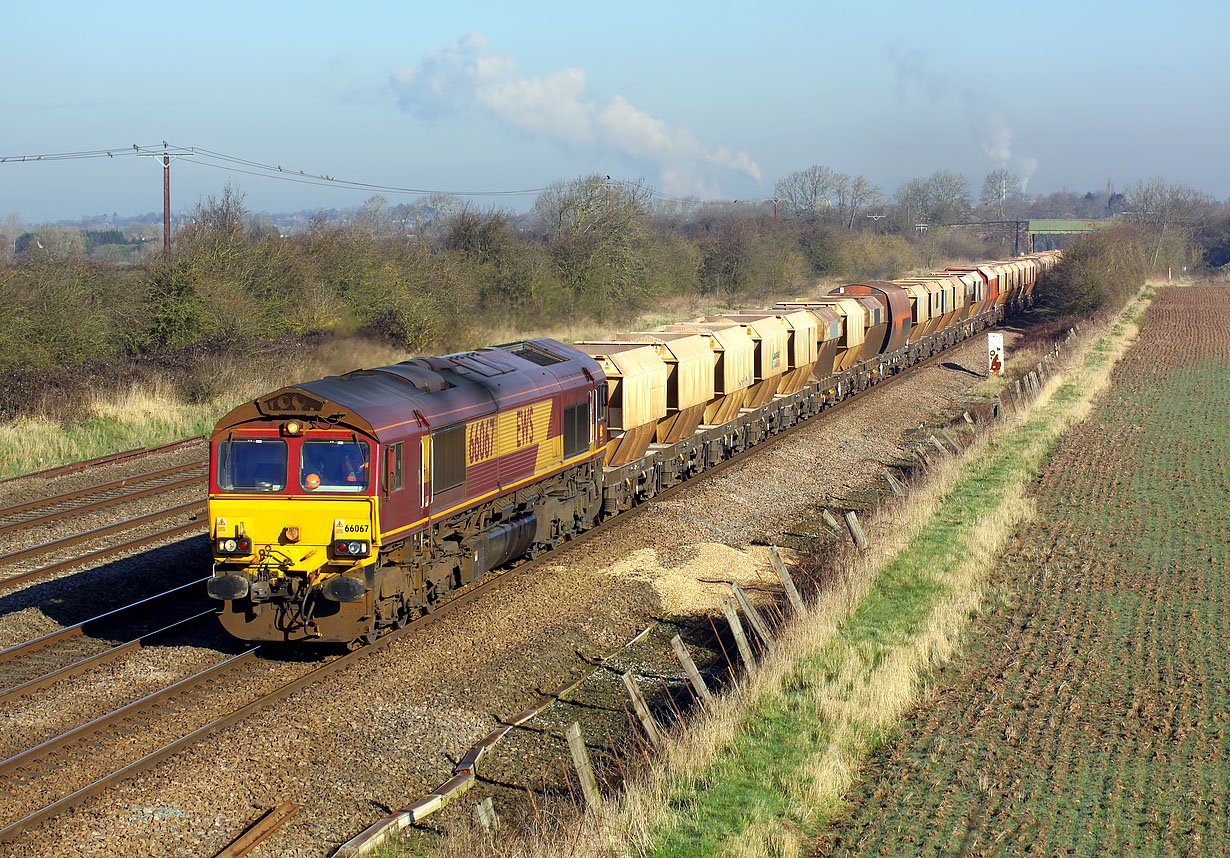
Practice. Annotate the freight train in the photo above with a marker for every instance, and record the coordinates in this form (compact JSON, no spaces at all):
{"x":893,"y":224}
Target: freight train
{"x":342,"y":506}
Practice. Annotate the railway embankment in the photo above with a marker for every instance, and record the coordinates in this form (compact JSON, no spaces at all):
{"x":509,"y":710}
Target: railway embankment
{"x":769,"y":767}
{"x":778,"y":763}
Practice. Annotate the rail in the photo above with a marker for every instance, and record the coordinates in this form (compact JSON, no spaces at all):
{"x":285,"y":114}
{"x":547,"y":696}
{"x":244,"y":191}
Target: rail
{"x":102,"y":488}
{"x":109,"y":459}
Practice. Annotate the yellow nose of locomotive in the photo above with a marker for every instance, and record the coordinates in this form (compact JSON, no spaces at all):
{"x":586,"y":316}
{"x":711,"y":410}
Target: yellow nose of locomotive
{"x":253,"y":534}
{"x":262,"y":561}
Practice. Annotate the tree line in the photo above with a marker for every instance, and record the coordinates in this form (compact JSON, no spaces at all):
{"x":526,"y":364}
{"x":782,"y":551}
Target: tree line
{"x":444,"y":274}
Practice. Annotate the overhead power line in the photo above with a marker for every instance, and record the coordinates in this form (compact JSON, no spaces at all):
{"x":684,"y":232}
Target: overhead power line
{"x":231,"y":163}
{"x":211,"y":158}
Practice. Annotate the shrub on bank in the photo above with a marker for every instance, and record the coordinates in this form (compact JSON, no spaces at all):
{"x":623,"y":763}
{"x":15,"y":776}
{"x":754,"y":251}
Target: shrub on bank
{"x":1101,"y":269}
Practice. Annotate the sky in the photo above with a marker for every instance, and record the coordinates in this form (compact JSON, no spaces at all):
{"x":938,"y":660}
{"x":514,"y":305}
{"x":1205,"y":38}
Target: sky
{"x":717,"y":100}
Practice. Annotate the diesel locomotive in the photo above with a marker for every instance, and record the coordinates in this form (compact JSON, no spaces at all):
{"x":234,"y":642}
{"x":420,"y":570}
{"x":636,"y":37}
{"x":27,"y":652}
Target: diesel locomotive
{"x":356,"y":502}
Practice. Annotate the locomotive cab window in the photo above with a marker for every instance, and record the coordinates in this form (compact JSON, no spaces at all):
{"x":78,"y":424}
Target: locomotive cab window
{"x":576,"y":429}
{"x":393,"y":468}
{"x":252,"y":465}
{"x":448,"y":454}
{"x":334,"y":466}
{"x":602,"y":400}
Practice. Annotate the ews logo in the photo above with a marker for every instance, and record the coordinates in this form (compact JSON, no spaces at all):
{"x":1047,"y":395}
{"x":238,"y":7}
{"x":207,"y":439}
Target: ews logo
{"x":525,"y":427}
{"x":510,"y":432}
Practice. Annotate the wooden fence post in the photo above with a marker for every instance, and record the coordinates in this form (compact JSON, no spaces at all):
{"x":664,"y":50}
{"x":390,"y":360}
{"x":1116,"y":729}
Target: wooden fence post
{"x":580,"y":761}
{"x":642,"y":710}
{"x":948,"y":436}
{"x":485,"y":812}
{"x":689,"y":667}
{"x":830,"y":521}
{"x":779,"y":565}
{"x":753,"y":616}
{"x":856,"y":531}
{"x":736,"y":628}
{"x":898,"y":489}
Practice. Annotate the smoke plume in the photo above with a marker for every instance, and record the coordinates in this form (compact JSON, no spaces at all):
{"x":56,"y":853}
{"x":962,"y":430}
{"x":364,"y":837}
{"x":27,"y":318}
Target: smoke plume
{"x":467,"y":76}
{"x":988,"y":126}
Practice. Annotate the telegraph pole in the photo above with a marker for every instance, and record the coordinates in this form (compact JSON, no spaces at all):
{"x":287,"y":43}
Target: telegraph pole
{"x":166,"y":154}
{"x":166,"y":209}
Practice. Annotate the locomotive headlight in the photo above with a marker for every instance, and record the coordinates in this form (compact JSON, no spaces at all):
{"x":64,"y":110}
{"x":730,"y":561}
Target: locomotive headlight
{"x":357,"y":548}
{"x":234,"y":545}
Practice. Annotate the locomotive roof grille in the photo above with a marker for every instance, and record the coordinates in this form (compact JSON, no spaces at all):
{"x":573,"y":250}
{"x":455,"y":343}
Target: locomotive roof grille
{"x":533,"y":353}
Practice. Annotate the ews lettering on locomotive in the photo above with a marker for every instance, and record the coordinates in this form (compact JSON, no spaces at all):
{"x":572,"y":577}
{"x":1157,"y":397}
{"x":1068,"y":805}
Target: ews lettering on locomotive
{"x":289,"y":402}
{"x":525,"y":427}
{"x":509,"y":432}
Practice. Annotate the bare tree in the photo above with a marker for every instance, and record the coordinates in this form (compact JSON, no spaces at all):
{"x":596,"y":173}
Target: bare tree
{"x":998,"y":187}
{"x":376,"y":217}
{"x":588,"y":204}
{"x":1165,"y":207}
{"x":855,"y":193}
{"x":807,"y":195}
{"x":914,"y":198}
{"x":949,"y":197}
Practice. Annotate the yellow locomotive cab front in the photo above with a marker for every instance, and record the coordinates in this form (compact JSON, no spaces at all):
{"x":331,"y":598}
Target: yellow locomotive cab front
{"x":293,"y":532}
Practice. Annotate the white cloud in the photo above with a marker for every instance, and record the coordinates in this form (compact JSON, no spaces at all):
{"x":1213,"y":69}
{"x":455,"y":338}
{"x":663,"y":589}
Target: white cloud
{"x":467,"y":75}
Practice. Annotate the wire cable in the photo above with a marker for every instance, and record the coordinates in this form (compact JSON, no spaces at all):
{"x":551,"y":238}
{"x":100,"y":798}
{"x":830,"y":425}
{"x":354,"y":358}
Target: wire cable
{"x":214,"y":159}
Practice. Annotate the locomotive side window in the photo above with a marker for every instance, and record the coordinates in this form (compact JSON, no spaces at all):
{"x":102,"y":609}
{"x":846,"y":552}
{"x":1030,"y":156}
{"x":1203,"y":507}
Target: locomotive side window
{"x":334,"y":466}
{"x":448,"y":450}
{"x":252,"y":465}
{"x":602,"y":398}
{"x":394,"y":468}
{"x":576,"y":429}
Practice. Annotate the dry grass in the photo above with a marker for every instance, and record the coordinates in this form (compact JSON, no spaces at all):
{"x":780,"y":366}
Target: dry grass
{"x":851,"y":680}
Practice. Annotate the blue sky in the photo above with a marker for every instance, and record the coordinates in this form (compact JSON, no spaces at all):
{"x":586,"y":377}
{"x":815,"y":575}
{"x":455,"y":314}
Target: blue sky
{"x":715,"y":99}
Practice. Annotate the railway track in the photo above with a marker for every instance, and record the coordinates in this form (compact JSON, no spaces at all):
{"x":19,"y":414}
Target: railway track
{"x":109,"y":459}
{"x":60,"y":506}
{"x":29,"y":515}
{"x":26,"y":778}
{"x":191,"y":511}
{"x":49,"y":659}
{"x":33,"y":781}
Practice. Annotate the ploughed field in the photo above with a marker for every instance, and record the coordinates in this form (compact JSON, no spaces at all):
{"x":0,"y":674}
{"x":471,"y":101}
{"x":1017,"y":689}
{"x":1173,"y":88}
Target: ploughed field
{"x":1090,"y":712}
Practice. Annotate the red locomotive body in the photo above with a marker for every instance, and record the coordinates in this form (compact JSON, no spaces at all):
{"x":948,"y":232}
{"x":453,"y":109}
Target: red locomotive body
{"x":481,"y":457}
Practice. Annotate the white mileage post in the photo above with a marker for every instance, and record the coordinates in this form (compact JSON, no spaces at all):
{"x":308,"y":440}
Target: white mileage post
{"x":995,"y":353}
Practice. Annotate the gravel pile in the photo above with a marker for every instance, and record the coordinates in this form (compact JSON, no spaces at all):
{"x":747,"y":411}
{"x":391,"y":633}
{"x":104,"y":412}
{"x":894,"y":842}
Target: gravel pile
{"x":374,"y":738}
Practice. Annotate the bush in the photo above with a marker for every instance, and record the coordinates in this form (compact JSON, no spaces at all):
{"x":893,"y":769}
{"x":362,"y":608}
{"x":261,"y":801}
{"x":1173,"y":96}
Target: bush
{"x":1101,"y":269}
